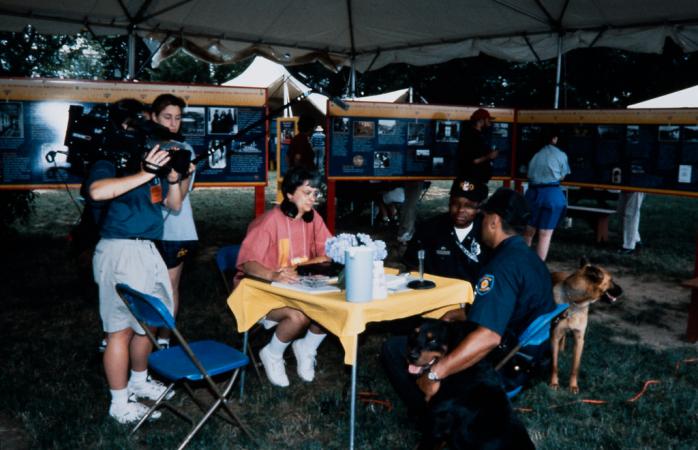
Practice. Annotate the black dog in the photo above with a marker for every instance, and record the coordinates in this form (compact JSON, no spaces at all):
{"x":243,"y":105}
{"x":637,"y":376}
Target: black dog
{"x":471,"y":409}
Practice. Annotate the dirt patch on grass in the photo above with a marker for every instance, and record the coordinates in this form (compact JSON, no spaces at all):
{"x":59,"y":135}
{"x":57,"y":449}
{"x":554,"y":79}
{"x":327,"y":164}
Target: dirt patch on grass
{"x":652,"y":312}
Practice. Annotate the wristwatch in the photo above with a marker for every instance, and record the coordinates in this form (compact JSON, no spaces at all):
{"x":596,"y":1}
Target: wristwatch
{"x":431,"y":376}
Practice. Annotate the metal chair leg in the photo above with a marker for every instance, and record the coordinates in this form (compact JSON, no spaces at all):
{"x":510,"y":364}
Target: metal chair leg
{"x":255,"y":362}
{"x":245,"y":345}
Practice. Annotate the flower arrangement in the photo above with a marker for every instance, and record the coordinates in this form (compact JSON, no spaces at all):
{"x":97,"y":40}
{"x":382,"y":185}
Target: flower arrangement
{"x":335,"y":247}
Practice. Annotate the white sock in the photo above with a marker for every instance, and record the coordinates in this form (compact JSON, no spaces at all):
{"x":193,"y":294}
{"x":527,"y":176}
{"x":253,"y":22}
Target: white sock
{"x":119,"y":396}
{"x":312,"y":341}
{"x":164,"y":341}
{"x":277,"y":347}
{"x":138,"y":377}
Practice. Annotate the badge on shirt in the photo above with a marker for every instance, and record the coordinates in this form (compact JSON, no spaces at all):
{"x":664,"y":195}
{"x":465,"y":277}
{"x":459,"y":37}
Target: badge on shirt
{"x":485,"y":284}
{"x":155,"y":193}
{"x":443,"y":251}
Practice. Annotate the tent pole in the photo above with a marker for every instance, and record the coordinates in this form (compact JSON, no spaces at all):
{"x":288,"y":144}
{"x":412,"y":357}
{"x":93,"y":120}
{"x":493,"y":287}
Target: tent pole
{"x":558,"y":71}
{"x":131,"y":53}
{"x":352,"y":89}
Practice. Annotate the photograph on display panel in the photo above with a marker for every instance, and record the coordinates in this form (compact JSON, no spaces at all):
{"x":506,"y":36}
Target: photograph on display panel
{"x":364,"y":129}
{"x":447,"y":130}
{"x":387,"y":127}
{"x":11,"y":120}
{"x":217,"y":154}
{"x":194,"y":121}
{"x":416,"y":133}
{"x":222,"y":120}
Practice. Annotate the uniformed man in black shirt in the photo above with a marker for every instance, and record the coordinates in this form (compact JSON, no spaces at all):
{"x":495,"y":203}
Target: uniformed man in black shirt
{"x":513,"y":290}
{"x":451,"y":241}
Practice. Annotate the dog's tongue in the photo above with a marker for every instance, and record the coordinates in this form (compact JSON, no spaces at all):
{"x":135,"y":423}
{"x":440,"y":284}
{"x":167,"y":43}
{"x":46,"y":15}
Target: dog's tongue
{"x":414,"y":370}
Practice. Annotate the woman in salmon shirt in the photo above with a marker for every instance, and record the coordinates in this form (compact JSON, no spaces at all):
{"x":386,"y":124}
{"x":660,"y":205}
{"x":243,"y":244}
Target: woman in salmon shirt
{"x":276,"y":243}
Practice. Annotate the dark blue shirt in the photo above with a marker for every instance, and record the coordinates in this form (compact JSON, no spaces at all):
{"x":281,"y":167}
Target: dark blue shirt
{"x":514,"y":289}
{"x":133,"y":214}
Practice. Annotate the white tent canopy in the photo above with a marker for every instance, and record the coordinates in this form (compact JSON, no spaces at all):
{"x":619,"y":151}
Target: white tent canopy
{"x":282,"y":86}
{"x":370,"y":33}
{"x":399,"y":96}
{"x":685,"y":98}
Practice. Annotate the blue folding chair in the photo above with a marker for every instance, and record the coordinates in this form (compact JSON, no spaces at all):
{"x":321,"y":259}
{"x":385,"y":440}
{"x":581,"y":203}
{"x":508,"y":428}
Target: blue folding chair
{"x":535,"y":334}
{"x":186,"y":362}
{"x":226,"y":260}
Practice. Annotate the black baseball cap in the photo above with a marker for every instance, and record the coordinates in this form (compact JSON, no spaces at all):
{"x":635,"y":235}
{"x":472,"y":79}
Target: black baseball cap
{"x":509,"y":205}
{"x":476,"y":192}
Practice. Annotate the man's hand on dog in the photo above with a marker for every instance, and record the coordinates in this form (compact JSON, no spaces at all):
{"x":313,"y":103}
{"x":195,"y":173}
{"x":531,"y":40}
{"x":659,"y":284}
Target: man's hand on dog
{"x":429,"y":387}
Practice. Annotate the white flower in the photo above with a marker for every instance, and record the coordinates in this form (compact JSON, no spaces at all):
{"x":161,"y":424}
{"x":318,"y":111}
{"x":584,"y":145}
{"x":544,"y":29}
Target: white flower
{"x":335,"y":247}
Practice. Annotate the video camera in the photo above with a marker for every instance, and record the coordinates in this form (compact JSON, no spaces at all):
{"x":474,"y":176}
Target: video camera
{"x":99,"y":135}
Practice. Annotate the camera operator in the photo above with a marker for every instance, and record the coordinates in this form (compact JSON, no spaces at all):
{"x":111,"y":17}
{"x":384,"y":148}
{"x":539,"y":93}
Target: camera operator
{"x":179,"y":236}
{"x":129,"y":205}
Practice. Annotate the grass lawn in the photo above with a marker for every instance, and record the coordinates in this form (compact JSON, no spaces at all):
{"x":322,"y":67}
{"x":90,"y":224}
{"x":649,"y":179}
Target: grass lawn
{"x":53,"y":393}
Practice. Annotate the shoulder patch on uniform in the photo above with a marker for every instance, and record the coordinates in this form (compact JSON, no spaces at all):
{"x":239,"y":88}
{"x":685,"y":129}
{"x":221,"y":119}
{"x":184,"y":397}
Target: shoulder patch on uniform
{"x":485,"y":284}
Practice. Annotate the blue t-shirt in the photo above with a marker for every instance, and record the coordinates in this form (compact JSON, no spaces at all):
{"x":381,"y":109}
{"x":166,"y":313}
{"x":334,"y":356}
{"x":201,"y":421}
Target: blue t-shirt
{"x":137,"y":213}
{"x":513,"y":290}
{"x":548,"y":166}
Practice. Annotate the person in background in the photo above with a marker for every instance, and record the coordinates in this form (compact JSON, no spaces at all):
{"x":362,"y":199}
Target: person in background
{"x":179,"y":237}
{"x":545,"y":198}
{"x":629,"y":205}
{"x":275,"y":244}
{"x":300,"y":151}
{"x":408,"y":212}
{"x":129,"y":204}
{"x":475,"y":156}
{"x":388,"y":200}
{"x":317,"y":141}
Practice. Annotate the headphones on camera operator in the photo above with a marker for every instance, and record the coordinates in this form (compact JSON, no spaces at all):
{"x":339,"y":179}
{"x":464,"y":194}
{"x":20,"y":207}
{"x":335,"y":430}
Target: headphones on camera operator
{"x":122,"y":134}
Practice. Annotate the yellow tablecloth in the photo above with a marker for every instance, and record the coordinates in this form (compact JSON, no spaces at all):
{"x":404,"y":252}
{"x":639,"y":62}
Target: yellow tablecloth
{"x":253,"y":299}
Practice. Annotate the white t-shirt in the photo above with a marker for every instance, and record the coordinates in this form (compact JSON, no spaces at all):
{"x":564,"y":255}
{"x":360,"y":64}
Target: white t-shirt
{"x":463,"y":232}
{"x":179,"y":225}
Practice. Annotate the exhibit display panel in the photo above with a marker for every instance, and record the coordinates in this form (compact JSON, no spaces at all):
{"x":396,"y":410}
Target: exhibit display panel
{"x":226,"y":127}
{"x":651,"y":150}
{"x":407,"y":141}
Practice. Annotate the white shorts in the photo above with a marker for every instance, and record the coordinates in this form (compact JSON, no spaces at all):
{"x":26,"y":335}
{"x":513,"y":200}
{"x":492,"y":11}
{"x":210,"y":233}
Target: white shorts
{"x":136,"y":263}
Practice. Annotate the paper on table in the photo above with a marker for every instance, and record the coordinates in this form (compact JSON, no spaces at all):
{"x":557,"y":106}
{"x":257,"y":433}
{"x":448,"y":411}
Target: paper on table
{"x":307,"y":289}
{"x":397,"y":283}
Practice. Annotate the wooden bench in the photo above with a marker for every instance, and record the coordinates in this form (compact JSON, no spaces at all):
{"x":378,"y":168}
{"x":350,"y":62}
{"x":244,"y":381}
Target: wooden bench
{"x":597,"y":218}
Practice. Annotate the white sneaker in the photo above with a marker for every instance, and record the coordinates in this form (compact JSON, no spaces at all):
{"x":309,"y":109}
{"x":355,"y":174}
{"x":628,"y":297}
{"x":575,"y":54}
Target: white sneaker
{"x":274,"y":368}
{"x":150,"y":389}
{"x":131,"y":412}
{"x":305,"y":361}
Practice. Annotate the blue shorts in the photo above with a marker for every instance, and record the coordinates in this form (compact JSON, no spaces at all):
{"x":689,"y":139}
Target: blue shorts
{"x":175,"y":253}
{"x":548,"y":205}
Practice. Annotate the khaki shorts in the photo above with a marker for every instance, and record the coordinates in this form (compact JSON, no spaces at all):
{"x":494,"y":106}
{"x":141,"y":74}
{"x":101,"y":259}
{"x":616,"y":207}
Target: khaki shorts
{"x":136,"y":263}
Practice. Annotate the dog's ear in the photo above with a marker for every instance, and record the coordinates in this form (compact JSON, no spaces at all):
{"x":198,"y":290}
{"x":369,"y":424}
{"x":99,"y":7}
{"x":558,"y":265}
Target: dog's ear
{"x":583,"y":262}
{"x":594,"y":274}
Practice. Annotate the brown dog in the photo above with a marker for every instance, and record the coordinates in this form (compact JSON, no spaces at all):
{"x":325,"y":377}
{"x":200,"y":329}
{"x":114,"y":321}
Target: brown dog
{"x":580,"y":289}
